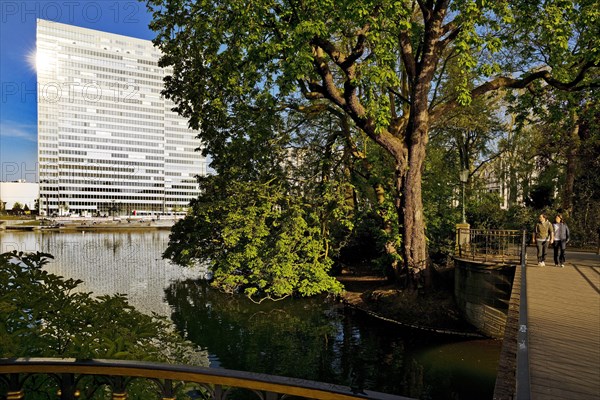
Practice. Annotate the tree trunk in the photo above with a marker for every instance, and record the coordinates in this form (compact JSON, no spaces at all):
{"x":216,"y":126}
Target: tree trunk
{"x":414,"y":241}
{"x":393,"y":270}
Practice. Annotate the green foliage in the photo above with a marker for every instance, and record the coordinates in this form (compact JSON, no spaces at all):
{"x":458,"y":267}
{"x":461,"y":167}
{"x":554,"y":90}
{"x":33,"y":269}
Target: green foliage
{"x":257,"y":240}
{"x":584,"y":221}
{"x":45,"y":315}
{"x":521,"y":218}
{"x":241,"y":72}
{"x":440,"y":186}
{"x":484,"y":211}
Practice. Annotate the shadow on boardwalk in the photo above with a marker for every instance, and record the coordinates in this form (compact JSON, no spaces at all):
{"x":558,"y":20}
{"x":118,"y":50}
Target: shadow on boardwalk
{"x":564,"y":327}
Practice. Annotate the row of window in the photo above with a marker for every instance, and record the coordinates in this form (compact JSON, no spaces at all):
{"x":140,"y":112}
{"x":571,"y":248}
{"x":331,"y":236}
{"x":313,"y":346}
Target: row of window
{"x":92,"y":164}
{"x":111,"y":104}
{"x":118,"y":128}
{"x":193,"y":143}
{"x":105,"y":147}
{"x":79,"y":50}
{"x":62,"y":33}
{"x":104,"y":54}
{"x":131,"y":200}
{"x":184,"y":130}
{"x":73,"y":193}
{"x":156,"y":79}
{"x":186,"y":162}
{"x":77,"y":190}
{"x":72,"y":199}
{"x":131,"y":115}
{"x":100,"y":182}
{"x":131,"y":176}
{"x":73,"y":152}
{"x":177,"y":156}
{"x":124,"y":121}
{"x":188,"y":150}
{"x":143,"y":140}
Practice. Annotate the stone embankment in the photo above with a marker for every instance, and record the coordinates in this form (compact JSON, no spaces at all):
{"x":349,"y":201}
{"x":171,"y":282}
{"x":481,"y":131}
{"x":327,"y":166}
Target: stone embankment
{"x":87,"y":224}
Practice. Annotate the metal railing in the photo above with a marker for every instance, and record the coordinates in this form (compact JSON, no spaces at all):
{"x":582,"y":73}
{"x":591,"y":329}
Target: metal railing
{"x":489,"y":245}
{"x":523,"y":387}
{"x":167,"y":382}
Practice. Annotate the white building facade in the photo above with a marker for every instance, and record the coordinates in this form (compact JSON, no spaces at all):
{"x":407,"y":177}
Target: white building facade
{"x":108,"y":142}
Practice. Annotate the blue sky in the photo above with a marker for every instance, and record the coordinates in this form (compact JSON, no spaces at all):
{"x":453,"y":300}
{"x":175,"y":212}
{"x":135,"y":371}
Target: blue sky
{"x":18,"y":109}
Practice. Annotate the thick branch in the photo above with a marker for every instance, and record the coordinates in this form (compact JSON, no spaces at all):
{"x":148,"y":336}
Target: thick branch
{"x":505,"y":82}
{"x":431,"y":45}
{"x":407,"y":55}
{"x":512,"y":83}
{"x":314,"y":91}
{"x":329,"y":88}
{"x":449,"y":37}
{"x":336,"y":55}
{"x":358,"y":50}
{"x":425,"y":10}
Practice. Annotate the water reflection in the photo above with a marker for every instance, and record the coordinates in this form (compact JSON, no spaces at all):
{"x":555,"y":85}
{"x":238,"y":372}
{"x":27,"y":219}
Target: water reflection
{"x":108,"y":263}
{"x":315,"y":339}
{"x":310,"y":339}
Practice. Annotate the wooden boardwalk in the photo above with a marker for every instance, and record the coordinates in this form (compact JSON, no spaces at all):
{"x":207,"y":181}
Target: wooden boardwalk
{"x":564,"y":327}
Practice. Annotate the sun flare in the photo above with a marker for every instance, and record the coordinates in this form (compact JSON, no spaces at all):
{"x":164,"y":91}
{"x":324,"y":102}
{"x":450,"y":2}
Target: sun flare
{"x":39,"y":60}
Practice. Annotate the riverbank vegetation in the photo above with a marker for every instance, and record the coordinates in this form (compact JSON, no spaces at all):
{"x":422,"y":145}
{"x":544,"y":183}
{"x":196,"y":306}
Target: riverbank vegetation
{"x":343,"y":126}
{"x":45,"y":315}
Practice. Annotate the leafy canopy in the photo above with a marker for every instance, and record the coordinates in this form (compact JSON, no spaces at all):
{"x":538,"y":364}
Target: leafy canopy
{"x":257,"y":240}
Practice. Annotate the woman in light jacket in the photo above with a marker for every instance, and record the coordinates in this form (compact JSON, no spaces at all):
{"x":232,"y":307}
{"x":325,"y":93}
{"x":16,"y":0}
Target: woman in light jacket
{"x":561,"y":238}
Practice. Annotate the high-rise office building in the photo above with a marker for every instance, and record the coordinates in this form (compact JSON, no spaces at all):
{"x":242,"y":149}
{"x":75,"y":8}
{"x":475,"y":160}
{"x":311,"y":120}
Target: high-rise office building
{"x":108,"y":142}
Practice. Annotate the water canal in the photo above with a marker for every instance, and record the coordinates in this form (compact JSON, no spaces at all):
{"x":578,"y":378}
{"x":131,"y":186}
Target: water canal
{"x":313,"y":338}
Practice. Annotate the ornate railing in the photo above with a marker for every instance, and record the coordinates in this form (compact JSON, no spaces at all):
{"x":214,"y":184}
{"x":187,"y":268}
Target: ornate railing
{"x":489,"y":245}
{"x":523,"y":382}
{"x":74,"y":379}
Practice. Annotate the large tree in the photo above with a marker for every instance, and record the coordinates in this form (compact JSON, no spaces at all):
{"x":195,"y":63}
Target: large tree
{"x":379,"y":62}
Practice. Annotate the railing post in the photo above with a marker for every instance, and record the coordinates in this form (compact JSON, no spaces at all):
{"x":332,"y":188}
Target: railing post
{"x":14,"y":387}
{"x":15,"y":395}
{"x":119,"y":388}
{"x":167,"y":390}
{"x":523,"y":390}
{"x":67,"y":387}
{"x":487,"y":245}
{"x":462,"y":238}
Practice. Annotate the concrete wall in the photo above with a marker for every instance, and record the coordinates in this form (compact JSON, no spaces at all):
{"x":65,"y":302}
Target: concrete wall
{"x":482,"y":292}
{"x":22,"y":192}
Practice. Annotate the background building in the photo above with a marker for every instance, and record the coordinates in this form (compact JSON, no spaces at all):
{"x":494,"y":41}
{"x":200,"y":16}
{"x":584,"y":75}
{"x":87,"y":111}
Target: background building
{"x":108,"y":142}
{"x":24,"y":193}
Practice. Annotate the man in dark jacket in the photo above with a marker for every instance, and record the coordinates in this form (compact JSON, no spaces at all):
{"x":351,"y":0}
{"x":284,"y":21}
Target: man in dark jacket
{"x":561,"y":238}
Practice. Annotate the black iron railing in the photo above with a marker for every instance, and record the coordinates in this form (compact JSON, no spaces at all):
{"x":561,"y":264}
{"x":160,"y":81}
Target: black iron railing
{"x":523,"y":387}
{"x":489,"y":245}
{"x":74,"y":379}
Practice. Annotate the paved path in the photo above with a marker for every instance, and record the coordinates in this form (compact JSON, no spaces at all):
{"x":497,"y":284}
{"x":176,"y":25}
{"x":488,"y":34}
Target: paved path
{"x":564,"y":327}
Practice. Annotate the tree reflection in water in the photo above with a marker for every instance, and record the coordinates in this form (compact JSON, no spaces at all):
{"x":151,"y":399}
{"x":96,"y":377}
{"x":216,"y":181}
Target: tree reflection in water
{"x":318,"y":339}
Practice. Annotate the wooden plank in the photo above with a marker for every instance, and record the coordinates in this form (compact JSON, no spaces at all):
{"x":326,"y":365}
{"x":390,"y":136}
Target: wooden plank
{"x":564,"y":330}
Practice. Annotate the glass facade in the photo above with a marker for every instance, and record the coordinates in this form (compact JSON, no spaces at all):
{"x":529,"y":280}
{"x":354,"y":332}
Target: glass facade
{"x":108,"y":143}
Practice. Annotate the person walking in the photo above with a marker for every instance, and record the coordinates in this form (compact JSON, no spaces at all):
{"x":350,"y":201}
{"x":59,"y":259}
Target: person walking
{"x":561,"y":238}
{"x":543,"y":234}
